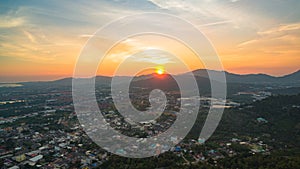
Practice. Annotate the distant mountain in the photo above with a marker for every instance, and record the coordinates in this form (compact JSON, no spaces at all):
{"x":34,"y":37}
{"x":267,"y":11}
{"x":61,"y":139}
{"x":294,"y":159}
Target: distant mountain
{"x":163,"y":82}
{"x":235,"y":82}
{"x":292,"y":79}
{"x":68,"y":81}
{"x":250,"y":78}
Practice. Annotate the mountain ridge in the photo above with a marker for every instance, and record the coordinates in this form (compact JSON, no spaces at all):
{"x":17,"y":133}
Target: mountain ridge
{"x":259,"y":78}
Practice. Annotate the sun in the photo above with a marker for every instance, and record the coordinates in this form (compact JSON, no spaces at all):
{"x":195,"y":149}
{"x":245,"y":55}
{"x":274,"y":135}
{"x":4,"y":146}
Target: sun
{"x":160,"y":71}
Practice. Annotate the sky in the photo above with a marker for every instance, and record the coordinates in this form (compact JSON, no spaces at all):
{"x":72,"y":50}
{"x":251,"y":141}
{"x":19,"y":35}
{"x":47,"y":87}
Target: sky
{"x":41,"y":40}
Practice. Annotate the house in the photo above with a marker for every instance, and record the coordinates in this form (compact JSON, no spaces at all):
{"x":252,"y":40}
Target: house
{"x":35,"y":159}
{"x":60,"y":164}
{"x":19,"y":158}
{"x":262,"y":120}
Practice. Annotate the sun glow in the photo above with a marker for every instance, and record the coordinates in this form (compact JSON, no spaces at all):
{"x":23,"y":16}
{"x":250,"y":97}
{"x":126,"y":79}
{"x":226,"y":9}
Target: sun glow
{"x":160,"y":71}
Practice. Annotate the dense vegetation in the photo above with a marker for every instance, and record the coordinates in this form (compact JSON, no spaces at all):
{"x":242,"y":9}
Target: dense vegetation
{"x":281,"y":132}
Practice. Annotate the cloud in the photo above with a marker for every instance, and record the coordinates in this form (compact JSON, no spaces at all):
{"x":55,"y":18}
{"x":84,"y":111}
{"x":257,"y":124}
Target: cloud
{"x":153,"y":56}
{"x":279,"y":41}
{"x":43,"y":31}
{"x":10,"y":22}
{"x":287,"y":33}
{"x":30,"y":36}
{"x":54,"y":32}
{"x":86,"y":35}
{"x":248,"y":42}
{"x":281,"y":29}
{"x":124,"y":50}
{"x":136,"y":51}
{"x":39,"y":45}
{"x":171,"y":4}
{"x":215,"y":23}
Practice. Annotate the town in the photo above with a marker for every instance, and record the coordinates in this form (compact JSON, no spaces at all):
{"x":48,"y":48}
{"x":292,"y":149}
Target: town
{"x":40,"y":129}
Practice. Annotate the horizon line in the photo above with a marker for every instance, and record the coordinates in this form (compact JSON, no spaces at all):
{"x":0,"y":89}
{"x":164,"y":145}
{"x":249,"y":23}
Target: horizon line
{"x":67,"y":76}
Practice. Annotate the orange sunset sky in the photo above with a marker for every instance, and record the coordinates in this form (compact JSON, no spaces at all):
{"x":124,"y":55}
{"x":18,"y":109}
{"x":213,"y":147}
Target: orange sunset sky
{"x":42,"y":40}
